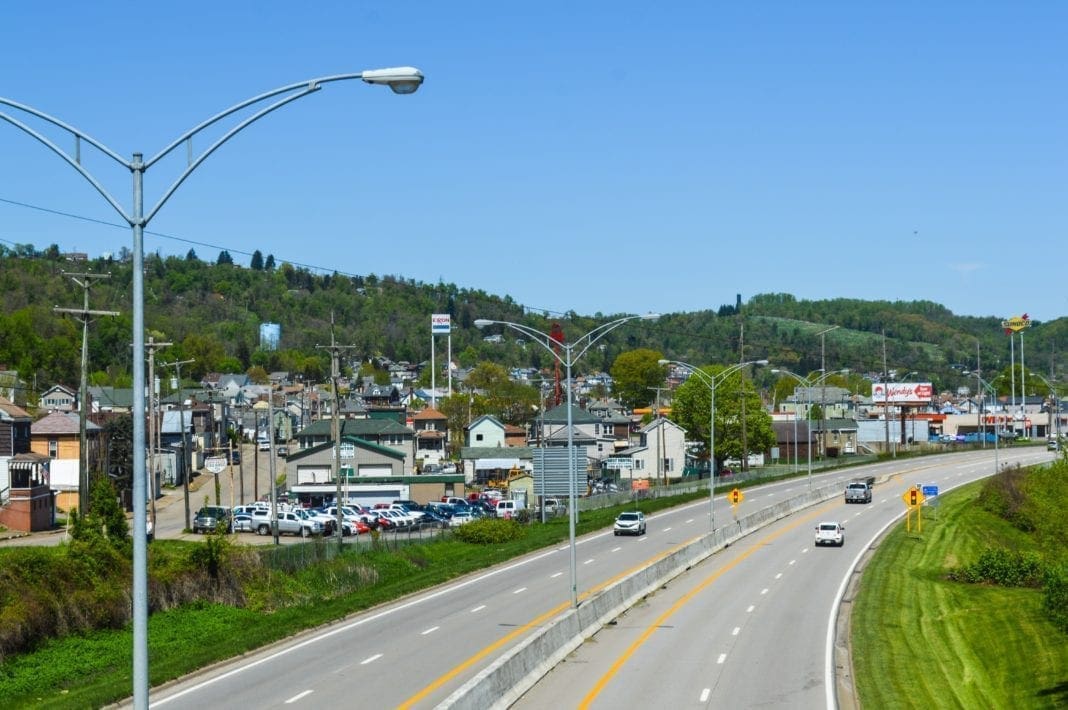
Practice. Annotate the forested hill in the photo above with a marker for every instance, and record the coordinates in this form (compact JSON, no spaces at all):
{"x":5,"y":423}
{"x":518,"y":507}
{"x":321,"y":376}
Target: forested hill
{"x":212,"y":313}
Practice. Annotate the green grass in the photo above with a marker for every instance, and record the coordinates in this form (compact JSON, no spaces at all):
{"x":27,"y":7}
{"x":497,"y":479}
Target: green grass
{"x":95,"y":669}
{"x":921,"y":641}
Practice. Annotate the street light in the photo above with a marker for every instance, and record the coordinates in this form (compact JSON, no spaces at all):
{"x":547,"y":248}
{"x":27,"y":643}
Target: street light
{"x":808,"y":384}
{"x":569,"y":357}
{"x":402,"y":80}
{"x":712,"y":381}
{"x":997,"y":435}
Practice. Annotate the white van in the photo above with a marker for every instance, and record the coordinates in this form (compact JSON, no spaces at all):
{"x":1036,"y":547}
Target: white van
{"x":507,"y":508}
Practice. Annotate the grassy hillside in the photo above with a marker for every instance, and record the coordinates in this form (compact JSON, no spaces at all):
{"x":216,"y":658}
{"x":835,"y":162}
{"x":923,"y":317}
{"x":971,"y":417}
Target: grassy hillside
{"x":212,"y":312}
{"x":921,"y":639}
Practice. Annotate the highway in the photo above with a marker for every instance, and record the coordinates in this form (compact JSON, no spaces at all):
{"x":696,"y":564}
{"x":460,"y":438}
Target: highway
{"x":749,"y":629}
{"x":753,"y":625}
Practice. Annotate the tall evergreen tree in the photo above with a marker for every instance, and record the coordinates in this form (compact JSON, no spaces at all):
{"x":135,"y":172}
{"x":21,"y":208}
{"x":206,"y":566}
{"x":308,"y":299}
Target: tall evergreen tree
{"x":257,"y":261}
{"x":225,"y":258}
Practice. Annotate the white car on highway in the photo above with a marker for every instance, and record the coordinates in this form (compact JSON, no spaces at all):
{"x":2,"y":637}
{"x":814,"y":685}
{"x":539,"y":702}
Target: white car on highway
{"x":830,"y":533}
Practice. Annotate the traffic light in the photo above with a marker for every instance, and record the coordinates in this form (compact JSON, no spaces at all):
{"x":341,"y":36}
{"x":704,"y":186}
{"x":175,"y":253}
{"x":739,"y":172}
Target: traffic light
{"x":914,"y":497}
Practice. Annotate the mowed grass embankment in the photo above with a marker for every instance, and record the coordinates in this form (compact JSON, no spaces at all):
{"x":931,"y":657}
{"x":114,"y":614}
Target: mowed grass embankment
{"x":920,"y":640}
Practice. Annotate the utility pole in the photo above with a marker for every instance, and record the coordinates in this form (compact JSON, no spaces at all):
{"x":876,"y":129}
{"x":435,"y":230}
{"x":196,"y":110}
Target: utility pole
{"x":187,"y":461}
{"x":659,"y":433}
{"x":153,"y":423}
{"x":83,"y":314}
{"x":886,"y":398}
{"x":335,"y":429}
{"x":741,"y":389}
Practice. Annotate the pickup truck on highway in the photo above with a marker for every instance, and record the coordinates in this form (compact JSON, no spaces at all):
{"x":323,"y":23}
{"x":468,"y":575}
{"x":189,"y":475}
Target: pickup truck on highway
{"x":859,"y":490}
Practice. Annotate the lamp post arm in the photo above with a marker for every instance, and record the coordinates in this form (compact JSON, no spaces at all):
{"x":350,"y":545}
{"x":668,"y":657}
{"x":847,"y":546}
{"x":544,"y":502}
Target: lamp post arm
{"x":213,"y":147}
{"x":74,"y":162}
{"x":539,"y":337}
{"x":600,"y":331}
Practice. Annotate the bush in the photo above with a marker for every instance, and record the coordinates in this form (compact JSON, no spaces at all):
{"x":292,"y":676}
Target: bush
{"x":1004,"y":567}
{"x":490,"y":531}
{"x":1055,"y":593}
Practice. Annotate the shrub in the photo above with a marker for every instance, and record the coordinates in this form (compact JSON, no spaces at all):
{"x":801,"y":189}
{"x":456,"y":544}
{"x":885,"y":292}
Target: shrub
{"x":1004,"y":567}
{"x":1055,"y":595}
{"x":490,"y":531}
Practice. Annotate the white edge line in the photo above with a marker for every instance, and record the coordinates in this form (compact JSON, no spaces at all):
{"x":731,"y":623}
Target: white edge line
{"x":832,"y":619}
{"x":298,"y":696}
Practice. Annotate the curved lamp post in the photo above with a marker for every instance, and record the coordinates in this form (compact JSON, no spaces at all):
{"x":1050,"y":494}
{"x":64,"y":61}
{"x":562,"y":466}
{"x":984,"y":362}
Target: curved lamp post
{"x":582,"y":344}
{"x":712,"y":381}
{"x":402,"y":80}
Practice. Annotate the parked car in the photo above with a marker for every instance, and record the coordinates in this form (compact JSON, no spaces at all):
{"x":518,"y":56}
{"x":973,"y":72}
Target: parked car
{"x":235,"y":456}
{"x":281,"y":451}
{"x":460,"y":517}
{"x":242,"y":522}
{"x":629,"y":523}
{"x":211,"y":518}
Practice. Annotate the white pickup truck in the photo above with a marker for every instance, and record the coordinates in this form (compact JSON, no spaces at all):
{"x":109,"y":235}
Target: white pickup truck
{"x":289,"y":523}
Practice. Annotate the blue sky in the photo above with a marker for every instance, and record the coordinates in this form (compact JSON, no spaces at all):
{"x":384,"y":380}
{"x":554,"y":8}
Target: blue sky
{"x":611,"y":157}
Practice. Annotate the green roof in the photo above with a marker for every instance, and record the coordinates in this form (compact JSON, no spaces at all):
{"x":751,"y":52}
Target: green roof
{"x":370,"y":446}
{"x":355,"y":427}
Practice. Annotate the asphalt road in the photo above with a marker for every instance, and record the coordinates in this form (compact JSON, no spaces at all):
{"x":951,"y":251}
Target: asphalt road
{"x":751,"y":626}
{"x":415,"y":652}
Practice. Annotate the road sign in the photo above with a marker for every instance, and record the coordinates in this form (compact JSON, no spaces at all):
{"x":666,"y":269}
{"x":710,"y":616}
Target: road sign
{"x":930,"y":491}
{"x":215,"y":464}
{"x":735,"y":496}
{"x":913,"y":497}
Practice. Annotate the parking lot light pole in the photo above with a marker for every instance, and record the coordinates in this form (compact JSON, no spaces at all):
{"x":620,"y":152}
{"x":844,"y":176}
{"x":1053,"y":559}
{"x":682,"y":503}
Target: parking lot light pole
{"x":582,"y":344}
{"x":712,"y":381}
{"x":402,"y":80}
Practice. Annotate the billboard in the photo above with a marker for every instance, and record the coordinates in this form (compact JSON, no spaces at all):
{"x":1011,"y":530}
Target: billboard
{"x":440,"y":324}
{"x":901,"y":393}
{"x":1016,"y":324}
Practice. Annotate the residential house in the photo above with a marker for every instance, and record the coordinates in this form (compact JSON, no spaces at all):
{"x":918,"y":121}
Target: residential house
{"x":58,"y":436}
{"x":59,"y":398}
{"x":30,"y":505}
{"x":485,"y":432}
{"x":660,"y":454}
{"x":15,"y":425}
{"x":431,"y":436}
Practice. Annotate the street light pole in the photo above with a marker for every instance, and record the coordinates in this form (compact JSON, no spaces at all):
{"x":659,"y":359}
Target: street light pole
{"x":569,"y":357}
{"x":712,"y":381}
{"x":808,"y":384}
{"x":402,"y":80}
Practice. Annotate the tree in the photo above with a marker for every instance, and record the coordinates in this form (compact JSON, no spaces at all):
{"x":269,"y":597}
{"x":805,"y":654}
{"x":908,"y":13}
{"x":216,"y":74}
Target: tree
{"x":225,"y":258}
{"x":269,"y":264}
{"x":257,"y":261}
{"x":691,"y":409}
{"x":191,"y":256}
{"x":636,"y":374}
{"x":510,"y":401}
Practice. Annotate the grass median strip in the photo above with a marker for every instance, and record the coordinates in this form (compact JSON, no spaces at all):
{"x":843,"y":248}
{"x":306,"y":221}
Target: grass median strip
{"x":922,"y":640}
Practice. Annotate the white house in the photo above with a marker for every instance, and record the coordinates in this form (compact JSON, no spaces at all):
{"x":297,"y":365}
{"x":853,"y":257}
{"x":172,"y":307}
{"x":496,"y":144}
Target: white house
{"x":660,"y":439}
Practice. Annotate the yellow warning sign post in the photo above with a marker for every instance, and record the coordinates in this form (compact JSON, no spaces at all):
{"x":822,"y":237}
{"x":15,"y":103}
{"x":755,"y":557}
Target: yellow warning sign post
{"x":913,"y":498}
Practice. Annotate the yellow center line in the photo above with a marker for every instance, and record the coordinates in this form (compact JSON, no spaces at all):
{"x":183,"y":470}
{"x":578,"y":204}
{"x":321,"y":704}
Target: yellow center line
{"x":599,"y":686}
{"x":504,"y":640}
